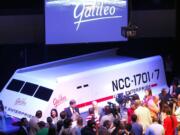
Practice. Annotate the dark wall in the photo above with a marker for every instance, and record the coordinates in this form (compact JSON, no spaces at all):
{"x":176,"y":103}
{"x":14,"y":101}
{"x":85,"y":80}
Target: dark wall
{"x":29,"y":29}
{"x":37,"y":6}
{"x":14,"y":57}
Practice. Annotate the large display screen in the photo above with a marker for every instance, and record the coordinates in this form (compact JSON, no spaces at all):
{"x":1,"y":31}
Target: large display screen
{"x":84,"y":21}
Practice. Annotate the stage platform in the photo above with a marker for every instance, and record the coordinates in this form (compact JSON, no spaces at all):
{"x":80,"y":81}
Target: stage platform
{"x":7,"y":126}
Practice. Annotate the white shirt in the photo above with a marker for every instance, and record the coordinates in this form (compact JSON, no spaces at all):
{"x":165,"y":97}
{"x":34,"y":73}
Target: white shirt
{"x":143,"y":117}
{"x":157,"y":129}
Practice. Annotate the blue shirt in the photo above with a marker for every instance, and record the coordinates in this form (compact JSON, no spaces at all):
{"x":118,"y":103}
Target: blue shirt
{"x":137,"y":129}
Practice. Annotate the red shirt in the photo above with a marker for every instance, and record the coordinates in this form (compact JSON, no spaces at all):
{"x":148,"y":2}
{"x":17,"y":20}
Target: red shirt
{"x":130,"y":112}
{"x":170,"y":123}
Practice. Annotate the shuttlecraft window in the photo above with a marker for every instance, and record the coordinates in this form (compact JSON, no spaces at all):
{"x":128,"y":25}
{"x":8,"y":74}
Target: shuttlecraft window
{"x":43,"y":93}
{"x":29,"y":89}
{"x":15,"y":85}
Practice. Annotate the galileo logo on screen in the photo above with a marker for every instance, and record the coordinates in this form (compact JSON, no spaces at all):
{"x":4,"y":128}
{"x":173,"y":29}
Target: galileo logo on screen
{"x":80,"y":21}
{"x":93,"y":13}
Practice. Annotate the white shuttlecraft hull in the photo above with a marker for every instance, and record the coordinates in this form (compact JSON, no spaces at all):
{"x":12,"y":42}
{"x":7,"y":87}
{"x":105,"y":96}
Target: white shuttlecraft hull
{"x":98,"y":76}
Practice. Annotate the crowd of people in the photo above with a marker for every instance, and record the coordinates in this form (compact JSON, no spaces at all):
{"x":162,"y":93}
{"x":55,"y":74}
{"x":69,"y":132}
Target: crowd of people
{"x":153,"y":115}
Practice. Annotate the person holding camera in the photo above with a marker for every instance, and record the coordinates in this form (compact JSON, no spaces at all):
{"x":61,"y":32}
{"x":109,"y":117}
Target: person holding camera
{"x":107,"y":116}
{"x":164,"y":98}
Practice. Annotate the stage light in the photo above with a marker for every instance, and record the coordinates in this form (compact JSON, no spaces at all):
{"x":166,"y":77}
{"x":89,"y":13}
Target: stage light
{"x":129,"y":31}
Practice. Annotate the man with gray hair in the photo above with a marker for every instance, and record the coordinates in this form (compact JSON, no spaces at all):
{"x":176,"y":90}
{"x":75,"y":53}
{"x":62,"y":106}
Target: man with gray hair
{"x":143,"y":115}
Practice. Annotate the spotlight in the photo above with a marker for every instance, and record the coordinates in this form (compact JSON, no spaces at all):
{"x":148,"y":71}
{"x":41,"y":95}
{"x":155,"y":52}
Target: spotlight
{"x":129,"y":31}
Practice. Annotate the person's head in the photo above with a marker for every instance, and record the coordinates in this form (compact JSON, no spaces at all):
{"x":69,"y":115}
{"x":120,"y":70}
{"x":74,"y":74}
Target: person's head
{"x":72,"y":103}
{"x":134,"y":118}
{"x":80,"y":121}
{"x":107,"y":124}
{"x":49,"y":120}
{"x":107,"y":110}
{"x":39,"y":114}
{"x":54,"y":113}
{"x":175,"y":83}
{"x":117,"y":123}
{"x":154,"y":119}
{"x":91,"y":123}
{"x":24,"y":122}
{"x":63,"y":115}
{"x":91,"y":111}
{"x":94,"y":104}
{"x":128,"y":127}
{"x":155,"y":99}
{"x":148,"y":92}
{"x":164,"y":92}
{"x":137,"y":103}
{"x":67,"y":122}
{"x":166,"y":109}
{"x":132,"y":105}
{"x":41,"y":124}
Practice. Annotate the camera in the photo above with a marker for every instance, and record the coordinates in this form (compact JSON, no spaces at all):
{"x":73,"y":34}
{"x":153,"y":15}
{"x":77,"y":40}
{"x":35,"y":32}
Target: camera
{"x":123,"y":99}
{"x":171,"y":101}
{"x":113,"y":108}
